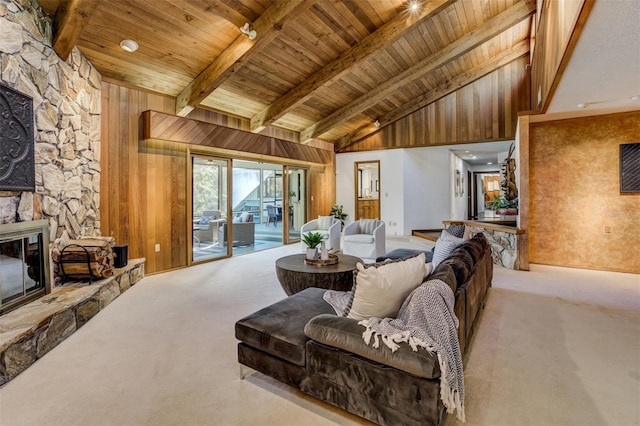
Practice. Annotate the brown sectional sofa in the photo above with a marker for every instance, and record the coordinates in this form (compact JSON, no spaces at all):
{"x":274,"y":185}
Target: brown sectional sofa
{"x":300,"y":341}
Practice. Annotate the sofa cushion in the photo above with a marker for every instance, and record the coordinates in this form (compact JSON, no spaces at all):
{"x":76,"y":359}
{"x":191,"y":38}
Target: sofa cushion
{"x":359,"y":238}
{"x":279,"y":329}
{"x":346,"y":334}
{"x":325,"y":222}
{"x":380,"y":288}
{"x":402,"y":253}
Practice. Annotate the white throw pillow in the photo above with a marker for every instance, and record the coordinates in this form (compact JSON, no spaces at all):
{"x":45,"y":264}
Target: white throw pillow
{"x":380,"y":289}
{"x":325,"y":222}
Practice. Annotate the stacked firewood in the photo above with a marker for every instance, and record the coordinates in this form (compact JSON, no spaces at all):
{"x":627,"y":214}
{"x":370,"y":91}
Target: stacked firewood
{"x":83,"y":258}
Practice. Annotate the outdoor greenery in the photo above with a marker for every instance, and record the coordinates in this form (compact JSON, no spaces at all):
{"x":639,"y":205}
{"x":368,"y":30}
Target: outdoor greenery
{"x":205,"y":177}
{"x":312,"y":239}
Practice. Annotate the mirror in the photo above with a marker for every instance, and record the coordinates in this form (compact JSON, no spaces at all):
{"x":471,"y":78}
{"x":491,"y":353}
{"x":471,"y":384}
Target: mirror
{"x":367,"y":189}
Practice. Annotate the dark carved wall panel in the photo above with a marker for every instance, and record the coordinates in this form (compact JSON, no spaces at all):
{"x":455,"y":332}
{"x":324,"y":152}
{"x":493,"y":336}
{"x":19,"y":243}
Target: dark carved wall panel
{"x":17,"y":168}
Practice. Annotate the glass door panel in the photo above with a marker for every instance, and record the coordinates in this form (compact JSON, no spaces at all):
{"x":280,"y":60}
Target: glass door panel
{"x":257,"y":190}
{"x":209,"y":205}
{"x":297,"y":201}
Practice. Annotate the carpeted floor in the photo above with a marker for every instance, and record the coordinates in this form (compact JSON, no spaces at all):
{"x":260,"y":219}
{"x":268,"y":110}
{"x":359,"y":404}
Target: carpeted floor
{"x":555,"y":346}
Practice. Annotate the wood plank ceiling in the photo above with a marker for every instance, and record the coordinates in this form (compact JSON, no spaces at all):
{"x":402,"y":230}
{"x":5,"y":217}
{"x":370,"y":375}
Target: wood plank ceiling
{"x":324,"y":68}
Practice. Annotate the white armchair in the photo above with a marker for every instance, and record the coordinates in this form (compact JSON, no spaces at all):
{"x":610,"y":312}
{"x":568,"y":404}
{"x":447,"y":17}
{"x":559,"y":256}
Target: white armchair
{"x":364,"y":238}
{"x":329,"y":227}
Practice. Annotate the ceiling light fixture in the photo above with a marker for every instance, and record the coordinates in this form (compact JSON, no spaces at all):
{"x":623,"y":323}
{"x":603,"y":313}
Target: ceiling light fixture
{"x":128,"y":45}
{"x":413,"y":6}
{"x":581,"y":105}
{"x":489,"y":162}
{"x":635,"y":98}
{"x":377,"y":123}
{"x":246,"y":29}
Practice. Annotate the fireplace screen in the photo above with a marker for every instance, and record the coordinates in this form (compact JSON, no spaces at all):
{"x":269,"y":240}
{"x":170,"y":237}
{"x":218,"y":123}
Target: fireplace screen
{"x":23,"y":264}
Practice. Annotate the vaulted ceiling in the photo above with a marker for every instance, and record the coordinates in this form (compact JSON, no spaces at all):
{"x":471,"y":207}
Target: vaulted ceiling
{"x":324,"y":68}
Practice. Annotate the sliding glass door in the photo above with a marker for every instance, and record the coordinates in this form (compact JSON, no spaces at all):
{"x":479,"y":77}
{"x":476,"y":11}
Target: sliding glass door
{"x":209,"y":207}
{"x":240,"y":206}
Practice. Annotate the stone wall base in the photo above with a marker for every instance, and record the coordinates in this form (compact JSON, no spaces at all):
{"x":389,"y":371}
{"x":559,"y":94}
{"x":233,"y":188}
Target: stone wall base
{"x":29,"y":332}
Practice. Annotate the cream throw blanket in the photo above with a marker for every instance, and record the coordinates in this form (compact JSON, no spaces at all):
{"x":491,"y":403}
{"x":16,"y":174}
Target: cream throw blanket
{"x":427,"y":320}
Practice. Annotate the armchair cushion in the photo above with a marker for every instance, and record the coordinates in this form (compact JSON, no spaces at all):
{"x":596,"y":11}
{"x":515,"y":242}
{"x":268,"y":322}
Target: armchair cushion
{"x":380,"y":288}
{"x":204,"y":220}
{"x":359,"y":238}
{"x":324,"y":222}
{"x":367,"y":226}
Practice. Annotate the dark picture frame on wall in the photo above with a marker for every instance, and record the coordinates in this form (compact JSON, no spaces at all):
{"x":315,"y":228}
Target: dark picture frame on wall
{"x":630,"y":168}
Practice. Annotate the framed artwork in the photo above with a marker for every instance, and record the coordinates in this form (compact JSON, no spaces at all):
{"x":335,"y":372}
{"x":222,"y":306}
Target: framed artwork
{"x":630,"y":168}
{"x":459,"y":184}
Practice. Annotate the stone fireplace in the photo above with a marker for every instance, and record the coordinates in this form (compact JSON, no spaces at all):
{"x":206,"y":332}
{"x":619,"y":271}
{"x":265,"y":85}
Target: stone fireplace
{"x":60,"y":122}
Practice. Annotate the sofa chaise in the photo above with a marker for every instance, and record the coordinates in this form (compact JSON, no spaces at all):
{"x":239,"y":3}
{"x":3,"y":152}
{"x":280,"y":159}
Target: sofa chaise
{"x":301,"y":341}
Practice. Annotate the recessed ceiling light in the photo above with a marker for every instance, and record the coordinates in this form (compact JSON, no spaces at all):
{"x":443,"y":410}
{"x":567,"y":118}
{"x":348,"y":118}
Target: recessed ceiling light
{"x":581,"y":105}
{"x":489,"y":162}
{"x":128,"y":45}
{"x":635,"y":98}
{"x":413,"y":6}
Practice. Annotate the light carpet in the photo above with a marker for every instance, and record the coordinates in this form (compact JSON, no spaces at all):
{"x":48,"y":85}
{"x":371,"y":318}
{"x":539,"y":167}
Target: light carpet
{"x":554,"y":346}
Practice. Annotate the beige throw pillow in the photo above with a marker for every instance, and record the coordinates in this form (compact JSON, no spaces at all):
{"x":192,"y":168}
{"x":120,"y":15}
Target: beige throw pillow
{"x":380,"y":289}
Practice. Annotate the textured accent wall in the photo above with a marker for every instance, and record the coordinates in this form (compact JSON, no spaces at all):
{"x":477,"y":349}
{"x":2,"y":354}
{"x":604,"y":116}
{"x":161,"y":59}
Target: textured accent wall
{"x":578,"y":217}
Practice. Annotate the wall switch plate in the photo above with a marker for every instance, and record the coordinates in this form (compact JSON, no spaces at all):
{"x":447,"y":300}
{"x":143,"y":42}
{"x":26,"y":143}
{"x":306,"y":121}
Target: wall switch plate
{"x":157,"y":248}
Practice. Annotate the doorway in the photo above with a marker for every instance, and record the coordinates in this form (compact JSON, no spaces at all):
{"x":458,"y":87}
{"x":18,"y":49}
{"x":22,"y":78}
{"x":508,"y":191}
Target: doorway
{"x":367,"y":189}
{"x":484,"y":187}
{"x":209,"y":206}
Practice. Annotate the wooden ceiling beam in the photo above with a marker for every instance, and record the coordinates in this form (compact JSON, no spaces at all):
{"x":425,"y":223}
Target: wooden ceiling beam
{"x":510,"y":17}
{"x":503,"y":58}
{"x":267,"y":27}
{"x":70,"y":18}
{"x":379,"y":39}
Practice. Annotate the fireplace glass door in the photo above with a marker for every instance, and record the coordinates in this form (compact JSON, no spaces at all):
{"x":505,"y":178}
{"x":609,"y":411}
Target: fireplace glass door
{"x":23,"y":274}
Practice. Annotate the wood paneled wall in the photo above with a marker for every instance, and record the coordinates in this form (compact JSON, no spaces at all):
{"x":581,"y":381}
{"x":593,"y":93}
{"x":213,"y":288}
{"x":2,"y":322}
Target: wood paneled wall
{"x":574,"y":194}
{"x":485,"y":110}
{"x":560,"y":22}
{"x":143,"y":185}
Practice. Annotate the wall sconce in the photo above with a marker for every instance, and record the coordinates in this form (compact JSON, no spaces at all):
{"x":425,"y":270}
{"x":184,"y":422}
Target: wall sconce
{"x":248,"y":32}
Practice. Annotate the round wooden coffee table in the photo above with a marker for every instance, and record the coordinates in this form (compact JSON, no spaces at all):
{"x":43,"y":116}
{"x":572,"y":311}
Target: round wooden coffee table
{"x":295,"y":275}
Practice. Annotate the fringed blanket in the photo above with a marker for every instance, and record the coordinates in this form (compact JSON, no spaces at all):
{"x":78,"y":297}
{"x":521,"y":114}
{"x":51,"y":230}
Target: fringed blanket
{"x":427,"y":320}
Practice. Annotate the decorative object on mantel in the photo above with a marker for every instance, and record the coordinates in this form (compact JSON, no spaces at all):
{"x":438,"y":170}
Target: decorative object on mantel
{"x":312,"y":240}
{"x":17,"y":162}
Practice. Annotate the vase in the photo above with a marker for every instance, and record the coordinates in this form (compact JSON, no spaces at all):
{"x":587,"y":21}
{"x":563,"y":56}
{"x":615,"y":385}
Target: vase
{"x":312,"y":253}
{"x":324,"y":253}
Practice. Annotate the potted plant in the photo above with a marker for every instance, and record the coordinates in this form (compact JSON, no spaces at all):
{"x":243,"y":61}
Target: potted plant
{"x":336,"y":211}
{"x":312,"y":240}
